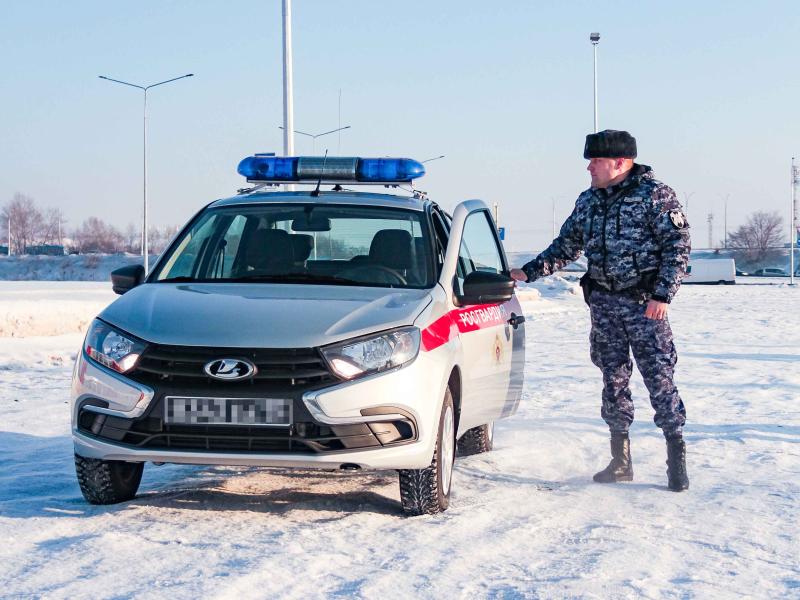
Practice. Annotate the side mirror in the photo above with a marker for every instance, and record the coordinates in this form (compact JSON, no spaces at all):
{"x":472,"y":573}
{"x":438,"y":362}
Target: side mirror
{"x":126,"y":278}
{"x":483,"y":287}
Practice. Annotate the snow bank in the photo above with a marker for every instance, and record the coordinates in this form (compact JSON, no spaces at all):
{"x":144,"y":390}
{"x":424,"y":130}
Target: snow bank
{"x":83,"y":267}
{"x":36,"y":309}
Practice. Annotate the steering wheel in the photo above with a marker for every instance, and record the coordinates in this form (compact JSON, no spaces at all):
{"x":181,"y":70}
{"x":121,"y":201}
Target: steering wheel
{"x":366,"y":273}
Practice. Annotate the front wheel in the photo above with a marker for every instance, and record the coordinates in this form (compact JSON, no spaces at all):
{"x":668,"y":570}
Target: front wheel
{"x":427,"y":491}
{"x":107,"y":481}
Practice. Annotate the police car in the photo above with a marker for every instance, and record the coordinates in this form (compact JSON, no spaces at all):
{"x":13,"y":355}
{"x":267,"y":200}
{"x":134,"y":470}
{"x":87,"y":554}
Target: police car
{"x":331,"y":329}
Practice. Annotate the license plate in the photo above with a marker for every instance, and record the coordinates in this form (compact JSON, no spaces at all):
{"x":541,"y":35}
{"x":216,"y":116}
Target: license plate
{"x":228,"y":411}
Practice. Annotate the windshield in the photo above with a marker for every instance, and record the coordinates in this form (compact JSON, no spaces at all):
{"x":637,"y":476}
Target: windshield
{"x":303,"y":243}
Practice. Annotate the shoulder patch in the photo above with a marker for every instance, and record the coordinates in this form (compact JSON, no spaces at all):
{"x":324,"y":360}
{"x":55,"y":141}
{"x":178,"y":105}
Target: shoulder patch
{"x":678,"y":219}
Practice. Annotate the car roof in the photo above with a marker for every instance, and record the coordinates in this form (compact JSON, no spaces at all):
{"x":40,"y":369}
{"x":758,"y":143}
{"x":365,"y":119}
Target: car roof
{"x":329,"y":197}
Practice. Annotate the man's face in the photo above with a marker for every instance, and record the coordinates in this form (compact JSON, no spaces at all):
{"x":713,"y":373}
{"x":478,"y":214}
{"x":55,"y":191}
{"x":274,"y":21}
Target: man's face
{"x":603,"y":170}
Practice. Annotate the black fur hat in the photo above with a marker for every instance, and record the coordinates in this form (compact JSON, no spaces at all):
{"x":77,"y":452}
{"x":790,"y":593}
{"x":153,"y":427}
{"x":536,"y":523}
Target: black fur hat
{"x":610,"y":144}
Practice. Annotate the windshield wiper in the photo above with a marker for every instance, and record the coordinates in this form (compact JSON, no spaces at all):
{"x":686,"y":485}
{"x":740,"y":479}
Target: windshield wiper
{"x":294,"y":278}
{"x":180,"y":279}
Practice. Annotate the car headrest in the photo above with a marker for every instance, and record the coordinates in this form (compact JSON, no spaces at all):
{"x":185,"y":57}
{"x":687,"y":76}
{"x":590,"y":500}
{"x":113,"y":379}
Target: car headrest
{"x":392,"y":248}
{"x":302,"y":244}
{"x":268,"y":248}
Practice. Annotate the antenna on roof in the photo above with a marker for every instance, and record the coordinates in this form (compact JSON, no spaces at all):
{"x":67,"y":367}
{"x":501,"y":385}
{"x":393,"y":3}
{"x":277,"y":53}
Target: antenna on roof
{"x":315,"y":193}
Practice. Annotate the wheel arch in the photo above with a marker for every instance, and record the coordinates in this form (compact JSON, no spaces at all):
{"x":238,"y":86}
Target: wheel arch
{"x":454,"y":383}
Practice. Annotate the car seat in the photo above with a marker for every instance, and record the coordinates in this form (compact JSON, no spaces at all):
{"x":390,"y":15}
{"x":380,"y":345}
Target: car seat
{"x":268,"y":252}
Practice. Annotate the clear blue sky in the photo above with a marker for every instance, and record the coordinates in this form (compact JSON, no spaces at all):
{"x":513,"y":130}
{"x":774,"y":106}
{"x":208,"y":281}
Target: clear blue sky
{"x":710,"y":90}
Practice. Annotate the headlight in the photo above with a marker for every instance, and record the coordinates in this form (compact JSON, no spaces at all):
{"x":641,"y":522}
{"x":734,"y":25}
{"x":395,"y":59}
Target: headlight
{"x":374,"y":354}
{"x":112,"y":348}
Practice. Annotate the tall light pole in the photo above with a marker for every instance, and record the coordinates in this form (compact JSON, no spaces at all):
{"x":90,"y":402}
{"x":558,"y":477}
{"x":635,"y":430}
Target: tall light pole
{"x":314,"y":136}
{"x":793,"y":221}
{"x":595,"y":39}
{"x":288,"y":85}
{"x":144,"y":89}
{"x":687,"y":196}
{"x":710,"y":231}
{"x":725,"y":221}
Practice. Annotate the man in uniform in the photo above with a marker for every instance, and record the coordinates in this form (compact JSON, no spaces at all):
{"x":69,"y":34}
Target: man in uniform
{"x":636,"y":239}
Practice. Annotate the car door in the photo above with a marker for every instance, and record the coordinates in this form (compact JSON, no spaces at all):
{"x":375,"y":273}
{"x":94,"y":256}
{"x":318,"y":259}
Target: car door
{"x":492,"y":335}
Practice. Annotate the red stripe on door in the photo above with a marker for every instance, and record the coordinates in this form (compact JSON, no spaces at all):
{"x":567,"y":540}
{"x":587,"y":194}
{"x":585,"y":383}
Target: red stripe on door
{"x":465,"y":320}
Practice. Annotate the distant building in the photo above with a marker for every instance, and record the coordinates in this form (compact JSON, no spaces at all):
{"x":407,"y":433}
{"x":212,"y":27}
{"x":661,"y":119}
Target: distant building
{"x":45,"y":250}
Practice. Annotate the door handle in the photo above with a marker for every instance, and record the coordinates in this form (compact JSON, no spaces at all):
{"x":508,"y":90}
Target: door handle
{"x":516,"y":320}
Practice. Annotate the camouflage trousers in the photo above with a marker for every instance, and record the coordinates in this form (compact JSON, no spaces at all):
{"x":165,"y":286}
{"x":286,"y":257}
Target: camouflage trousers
{"x":619,"y":326}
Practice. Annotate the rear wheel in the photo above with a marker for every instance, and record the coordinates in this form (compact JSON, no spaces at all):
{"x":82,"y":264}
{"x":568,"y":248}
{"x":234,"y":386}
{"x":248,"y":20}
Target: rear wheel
{"x":427,"y":491}
{"x":107,"y":481}
{"x":477,"y":440}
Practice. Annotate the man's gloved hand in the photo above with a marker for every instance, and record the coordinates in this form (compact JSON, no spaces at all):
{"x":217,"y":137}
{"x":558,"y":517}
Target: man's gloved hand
{"x":518,"y":274}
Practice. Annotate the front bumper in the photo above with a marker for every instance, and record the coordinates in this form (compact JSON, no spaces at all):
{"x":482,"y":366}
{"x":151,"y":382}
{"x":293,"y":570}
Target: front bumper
{"x":350,"y":423}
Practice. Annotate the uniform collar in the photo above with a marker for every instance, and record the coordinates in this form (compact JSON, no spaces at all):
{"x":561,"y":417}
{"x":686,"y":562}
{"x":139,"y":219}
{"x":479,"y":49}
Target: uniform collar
{"x":635,"y":176}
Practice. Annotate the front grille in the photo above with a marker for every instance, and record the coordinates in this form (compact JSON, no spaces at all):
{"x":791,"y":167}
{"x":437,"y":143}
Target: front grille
{"x":151,"y":432}
{"x":275,"y":366}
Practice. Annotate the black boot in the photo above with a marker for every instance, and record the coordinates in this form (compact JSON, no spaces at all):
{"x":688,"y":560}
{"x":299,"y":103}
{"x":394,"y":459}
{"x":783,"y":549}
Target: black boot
{"x":620,"y":468}
{"x":676,"y":464}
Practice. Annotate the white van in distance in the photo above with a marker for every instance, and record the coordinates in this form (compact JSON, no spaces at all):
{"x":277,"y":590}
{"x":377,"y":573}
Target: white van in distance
{"x":711,"y":271}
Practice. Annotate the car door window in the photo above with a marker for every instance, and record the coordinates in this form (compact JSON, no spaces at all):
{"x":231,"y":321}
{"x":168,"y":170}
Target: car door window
{"x":478,"y":250}
{"x":441,"y":233}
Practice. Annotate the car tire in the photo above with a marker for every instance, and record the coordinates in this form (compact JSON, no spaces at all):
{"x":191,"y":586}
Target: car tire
{"x":107,"y":481}
{"x":427,"y":491}
{"x":476,"y":440}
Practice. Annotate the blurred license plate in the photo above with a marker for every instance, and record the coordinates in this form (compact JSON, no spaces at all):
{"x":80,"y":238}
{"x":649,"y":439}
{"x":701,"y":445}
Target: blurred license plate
{"x":228,"y":411}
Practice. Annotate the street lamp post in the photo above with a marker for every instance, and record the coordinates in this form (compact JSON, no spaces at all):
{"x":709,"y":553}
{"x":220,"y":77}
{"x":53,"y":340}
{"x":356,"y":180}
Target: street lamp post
{"x":793,"y":221}
{"x":144,"y":89}
{"x":595,"y":39}
{"x":314,"y":136}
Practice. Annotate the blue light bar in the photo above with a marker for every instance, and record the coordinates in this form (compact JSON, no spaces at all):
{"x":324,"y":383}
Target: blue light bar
{"x":389,"y":169}
{"x":276,"y":169}
{"x":269,"y":168}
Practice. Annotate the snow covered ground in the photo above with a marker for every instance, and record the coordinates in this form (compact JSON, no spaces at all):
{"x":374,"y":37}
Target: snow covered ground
{"x":525,"y":520}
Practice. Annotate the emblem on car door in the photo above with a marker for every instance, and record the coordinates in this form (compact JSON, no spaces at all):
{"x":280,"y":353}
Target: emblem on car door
{"x":230,"y":369}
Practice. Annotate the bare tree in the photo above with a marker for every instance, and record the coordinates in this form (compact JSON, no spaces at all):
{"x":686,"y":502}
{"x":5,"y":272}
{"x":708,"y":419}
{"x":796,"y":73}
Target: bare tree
{"x":52,"y":224}
{"x":94,"y":235}
{"x":758,"y":238}
{"x":26,"y":222}
{"x":158,"y":238}
{"x":133,"y":239}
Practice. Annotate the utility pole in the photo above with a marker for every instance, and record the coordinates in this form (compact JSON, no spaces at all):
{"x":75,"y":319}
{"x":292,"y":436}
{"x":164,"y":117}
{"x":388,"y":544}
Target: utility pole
{"x":686,"y":197}
{"x":793,"y":221}
{"x":9,"y":233}
{"x":288,"y":86}
{"x":710,"y":231}
{"x":496,"y":216}
{"x":725,"y":220}
{"x":595,"y":39}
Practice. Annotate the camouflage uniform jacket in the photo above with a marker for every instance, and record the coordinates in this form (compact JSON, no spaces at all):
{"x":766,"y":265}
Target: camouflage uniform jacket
{"x":634,"y":234}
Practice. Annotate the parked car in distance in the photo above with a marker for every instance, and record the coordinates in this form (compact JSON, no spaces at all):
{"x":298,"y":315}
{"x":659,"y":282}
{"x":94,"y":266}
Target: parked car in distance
{"x":711,"y":271}
{"x":770,"y":272}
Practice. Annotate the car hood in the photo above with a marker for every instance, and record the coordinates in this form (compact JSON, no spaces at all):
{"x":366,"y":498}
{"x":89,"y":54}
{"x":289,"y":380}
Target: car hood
{"x":237,"y":315}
